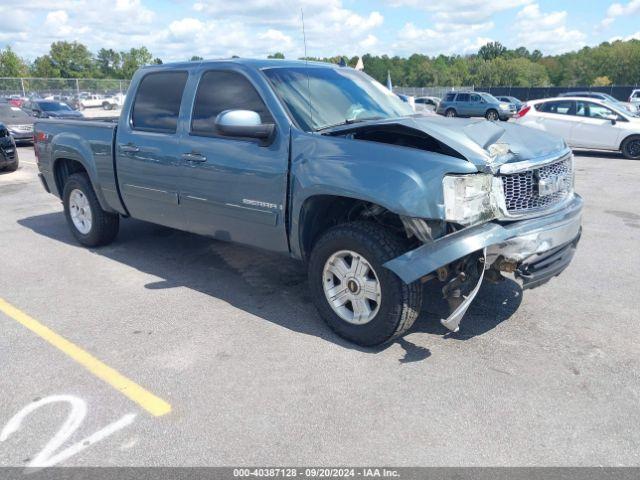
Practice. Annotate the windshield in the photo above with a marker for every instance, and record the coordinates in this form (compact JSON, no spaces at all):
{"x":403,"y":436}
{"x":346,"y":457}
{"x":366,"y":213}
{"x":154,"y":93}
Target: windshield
{"x":11,"y":115}
{"x":338,"y":96}
{"x":489,"y":98}
{"x":54,"y":106}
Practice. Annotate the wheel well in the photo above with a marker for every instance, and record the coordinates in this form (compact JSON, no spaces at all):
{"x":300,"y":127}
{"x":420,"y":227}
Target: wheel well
{"x":627,"y":138}
{"x":321,"y":212}
{"x":63,"y":168}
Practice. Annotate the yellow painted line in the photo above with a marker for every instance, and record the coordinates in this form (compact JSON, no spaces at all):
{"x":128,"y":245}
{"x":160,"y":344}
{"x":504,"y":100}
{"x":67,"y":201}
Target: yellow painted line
{"x":147,"y":400}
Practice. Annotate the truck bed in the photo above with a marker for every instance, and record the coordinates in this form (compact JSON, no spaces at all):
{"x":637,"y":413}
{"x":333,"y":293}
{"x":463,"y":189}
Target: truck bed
{"x":88,"y":142}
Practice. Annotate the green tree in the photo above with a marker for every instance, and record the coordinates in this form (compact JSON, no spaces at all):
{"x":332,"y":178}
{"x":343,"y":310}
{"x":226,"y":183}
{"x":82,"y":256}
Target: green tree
{"x":196,"y":58}
{"x":11,"y":65}
{"x":109,"y":63}
{"x":134,"y":59}
{"x":277,"y":55}
{"x":71,"y":59}
{"x":492,"y":50}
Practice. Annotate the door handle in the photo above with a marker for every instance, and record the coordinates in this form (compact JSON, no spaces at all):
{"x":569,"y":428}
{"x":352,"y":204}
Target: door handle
{"x":129,"y":148}
{"x":194,"y":157}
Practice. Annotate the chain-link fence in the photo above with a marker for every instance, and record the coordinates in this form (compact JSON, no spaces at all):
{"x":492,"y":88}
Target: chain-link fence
{"x":68,"y":87}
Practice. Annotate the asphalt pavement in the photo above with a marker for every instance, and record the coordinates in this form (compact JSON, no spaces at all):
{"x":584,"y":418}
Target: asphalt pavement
{"x":228,"y":339}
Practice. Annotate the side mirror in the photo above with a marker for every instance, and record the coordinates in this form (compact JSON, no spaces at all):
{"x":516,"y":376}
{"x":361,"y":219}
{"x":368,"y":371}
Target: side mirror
{"x":612,"y":118}
{"x":243,"y":123}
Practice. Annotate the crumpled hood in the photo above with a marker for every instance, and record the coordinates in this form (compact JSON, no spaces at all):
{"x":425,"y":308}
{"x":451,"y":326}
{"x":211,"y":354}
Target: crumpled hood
{"x":471,"y":137}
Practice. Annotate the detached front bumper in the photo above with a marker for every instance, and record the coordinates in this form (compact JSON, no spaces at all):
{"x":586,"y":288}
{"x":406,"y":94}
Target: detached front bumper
{"x":540,"y":248}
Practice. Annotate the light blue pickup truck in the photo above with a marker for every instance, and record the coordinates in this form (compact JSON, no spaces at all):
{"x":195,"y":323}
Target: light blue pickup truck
{"x":323,"y":164}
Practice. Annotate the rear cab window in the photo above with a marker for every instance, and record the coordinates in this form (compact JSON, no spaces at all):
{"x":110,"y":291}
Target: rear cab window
{"x":156,"y":106}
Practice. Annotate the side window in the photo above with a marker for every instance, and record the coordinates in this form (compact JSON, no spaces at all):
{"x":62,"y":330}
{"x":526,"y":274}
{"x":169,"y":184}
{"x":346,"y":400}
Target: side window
{"x":157,"y":103}
{"x":420,"y":100}
{"x":594,"y":110}
{"x":450,"y":97}
{"x":561,"y":107}
{"x":475,"y":97}
{"x":219,"y":91}
{"x":462,"y":97}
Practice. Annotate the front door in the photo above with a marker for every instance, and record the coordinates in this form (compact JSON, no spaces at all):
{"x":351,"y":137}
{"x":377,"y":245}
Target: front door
{"x":233,"y":188}
{"x":147,"y":150}
{"x":595,"y":129}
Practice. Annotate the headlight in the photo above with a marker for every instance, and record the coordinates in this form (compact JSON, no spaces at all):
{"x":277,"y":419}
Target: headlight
{"x":471,"y":199}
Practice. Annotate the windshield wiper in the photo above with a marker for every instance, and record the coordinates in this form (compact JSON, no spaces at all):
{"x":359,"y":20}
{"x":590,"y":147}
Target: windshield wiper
{"x":348,"y":121}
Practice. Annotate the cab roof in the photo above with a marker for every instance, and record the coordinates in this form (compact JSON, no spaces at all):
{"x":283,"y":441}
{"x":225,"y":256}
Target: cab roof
{"x":249,"y":62}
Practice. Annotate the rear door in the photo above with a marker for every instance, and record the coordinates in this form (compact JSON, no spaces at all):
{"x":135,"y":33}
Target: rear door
{"x":476,"y":106}
{"x":233,"y":188}
{"x":558,"y":117}
{"x":462,"y":104}
{"x":148,"y":155}
{"x":595,"y":128}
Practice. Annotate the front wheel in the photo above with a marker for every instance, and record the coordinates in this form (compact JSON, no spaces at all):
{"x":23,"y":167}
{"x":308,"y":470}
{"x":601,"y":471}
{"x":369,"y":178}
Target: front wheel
{"x":631,"y":147}
{"x":356,"y":296}
{"x":89,"y":223}
{"x":492,"y":115}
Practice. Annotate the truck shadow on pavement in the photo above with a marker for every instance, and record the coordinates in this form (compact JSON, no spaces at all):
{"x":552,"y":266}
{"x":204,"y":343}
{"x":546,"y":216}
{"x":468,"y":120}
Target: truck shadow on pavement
{"x":264,"y":284}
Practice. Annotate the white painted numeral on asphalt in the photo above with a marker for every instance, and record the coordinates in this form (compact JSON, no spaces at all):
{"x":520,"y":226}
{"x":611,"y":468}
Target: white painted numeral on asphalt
{"x":47,"y":456}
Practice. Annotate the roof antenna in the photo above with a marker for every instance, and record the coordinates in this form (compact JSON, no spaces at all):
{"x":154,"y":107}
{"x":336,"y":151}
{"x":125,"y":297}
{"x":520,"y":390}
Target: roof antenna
{"x":306,"y":64}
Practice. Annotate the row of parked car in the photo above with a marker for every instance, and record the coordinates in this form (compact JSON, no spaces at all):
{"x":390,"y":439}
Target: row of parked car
{"x":76,"y":102}
{"x":588,"y":120}
{"x":17,"y":114}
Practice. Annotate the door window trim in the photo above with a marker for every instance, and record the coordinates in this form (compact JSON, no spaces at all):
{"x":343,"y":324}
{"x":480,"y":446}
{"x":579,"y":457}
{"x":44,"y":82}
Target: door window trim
{"x":191,"y":133}
{"x":162,"y":131}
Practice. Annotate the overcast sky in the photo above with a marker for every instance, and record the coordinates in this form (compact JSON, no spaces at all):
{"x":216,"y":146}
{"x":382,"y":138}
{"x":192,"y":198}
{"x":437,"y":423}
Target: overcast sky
{"x":176,"y":30}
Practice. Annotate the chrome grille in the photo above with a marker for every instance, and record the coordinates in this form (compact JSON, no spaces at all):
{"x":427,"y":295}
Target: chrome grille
{"x":522,"y":190}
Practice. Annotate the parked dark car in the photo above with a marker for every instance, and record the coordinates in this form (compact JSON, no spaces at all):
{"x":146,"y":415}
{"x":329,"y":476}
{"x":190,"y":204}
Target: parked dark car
{"x":513,"y":100}
{"x":18,"y":122}
{"x":8,"y":152}
{"x":50,"y":109}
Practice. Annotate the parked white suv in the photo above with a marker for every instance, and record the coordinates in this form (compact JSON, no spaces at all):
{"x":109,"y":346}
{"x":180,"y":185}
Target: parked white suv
{"x":585,"y":123}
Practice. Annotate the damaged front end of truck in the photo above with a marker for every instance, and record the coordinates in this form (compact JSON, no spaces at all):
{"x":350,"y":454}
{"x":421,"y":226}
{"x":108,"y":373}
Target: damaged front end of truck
{"x":517,"y":216}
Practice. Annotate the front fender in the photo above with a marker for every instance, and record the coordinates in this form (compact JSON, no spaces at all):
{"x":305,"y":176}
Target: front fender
{"x":405,"y":181}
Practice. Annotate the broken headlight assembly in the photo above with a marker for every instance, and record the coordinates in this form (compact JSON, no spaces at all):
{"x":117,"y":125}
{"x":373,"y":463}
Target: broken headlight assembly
{"x":471,"y":199}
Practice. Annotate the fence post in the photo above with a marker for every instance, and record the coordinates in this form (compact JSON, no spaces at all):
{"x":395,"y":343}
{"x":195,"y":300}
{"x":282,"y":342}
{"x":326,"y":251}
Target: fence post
{"x":22,"y":86}
{"x":77,"y":87}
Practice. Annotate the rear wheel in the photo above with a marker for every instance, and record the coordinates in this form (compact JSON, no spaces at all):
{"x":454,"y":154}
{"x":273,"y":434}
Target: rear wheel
{"x":492,"y":115}
{"x":357,"y":297}
{"x":450,"y":113}
{"x":89,"y":223}
{"x":13,"y":167}
{"x":631,"y":147}
{"x":107,"y":106}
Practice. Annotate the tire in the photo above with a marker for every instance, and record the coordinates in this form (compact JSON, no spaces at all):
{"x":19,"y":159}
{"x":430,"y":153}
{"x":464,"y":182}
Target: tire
{"x":450,"y":113}
{"x":13,"y":167}
{"x":107,"y":106}
{"x":492,"y":115}
{"x":631,"y":147}
{"x":399,"y":304}
{"x":102,"y":226}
